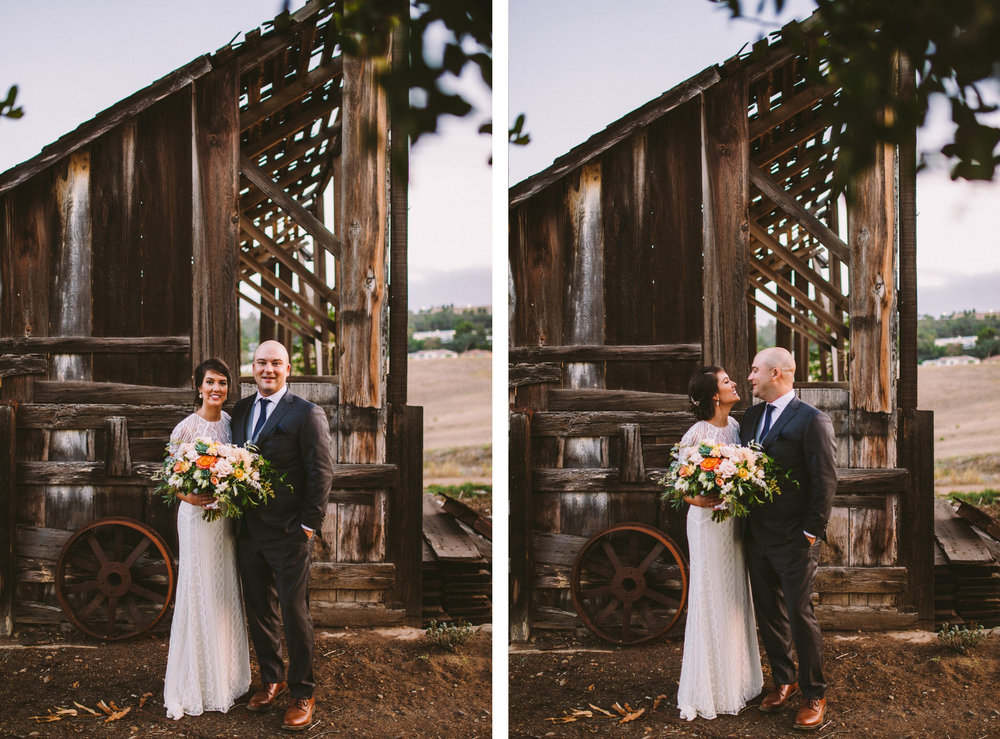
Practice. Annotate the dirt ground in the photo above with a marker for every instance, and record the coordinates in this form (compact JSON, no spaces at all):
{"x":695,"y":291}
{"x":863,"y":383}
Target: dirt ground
{"x":881,"y":685}
{"x":455,"y":395}
{"x":372,"y":683}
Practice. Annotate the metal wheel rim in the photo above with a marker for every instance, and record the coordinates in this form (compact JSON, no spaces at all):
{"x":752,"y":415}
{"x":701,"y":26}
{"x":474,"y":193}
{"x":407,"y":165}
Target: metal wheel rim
{"x":631,"y":596}
{"x":115,"y":570}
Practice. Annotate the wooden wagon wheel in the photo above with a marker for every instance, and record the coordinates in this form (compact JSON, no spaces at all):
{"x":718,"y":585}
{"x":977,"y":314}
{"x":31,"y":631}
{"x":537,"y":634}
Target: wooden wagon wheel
{"x":629,"y":583}
{"x":115,"y":578}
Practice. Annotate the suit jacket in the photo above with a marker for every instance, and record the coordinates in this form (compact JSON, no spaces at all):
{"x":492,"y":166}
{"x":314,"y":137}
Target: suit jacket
{"x":802,"y":441}
{"x":296,"y":441}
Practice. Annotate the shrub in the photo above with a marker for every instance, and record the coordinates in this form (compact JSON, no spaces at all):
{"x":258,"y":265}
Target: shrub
{"x":962,"y":638}
{"x":449,"y":636}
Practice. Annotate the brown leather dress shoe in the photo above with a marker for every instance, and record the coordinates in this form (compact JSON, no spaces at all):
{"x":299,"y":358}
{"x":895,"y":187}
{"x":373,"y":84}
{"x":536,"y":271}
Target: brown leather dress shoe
{"x":810,"y":716}
{"x":774,"y":702}
{"x":299,"y":715}
{"x":264,"y":699}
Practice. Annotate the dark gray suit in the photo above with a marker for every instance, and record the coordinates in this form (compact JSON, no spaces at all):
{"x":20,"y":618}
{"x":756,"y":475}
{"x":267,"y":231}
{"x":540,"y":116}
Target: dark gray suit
{"x":272,"y":548}
{"x":781,"y":561}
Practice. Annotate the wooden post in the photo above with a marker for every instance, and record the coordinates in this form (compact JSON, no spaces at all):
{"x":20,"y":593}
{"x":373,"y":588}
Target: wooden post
{"x":399,"y":198}
{"x":907,"y":252}
{"x":631,"y":467}
{"x":727,"y":228}
{"x":404,"y":530}
{"x":117,"y":457}
{"x":521,"y":515}
{"x":8,"y":516}
{"x":916,"y":515}
{"x":362,"y":278}
{"x":215,"y":324}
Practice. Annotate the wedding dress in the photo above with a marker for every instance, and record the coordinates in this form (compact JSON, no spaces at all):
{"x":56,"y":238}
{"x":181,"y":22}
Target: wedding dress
{"x":208,"y":662}
{"x":720,"y":669}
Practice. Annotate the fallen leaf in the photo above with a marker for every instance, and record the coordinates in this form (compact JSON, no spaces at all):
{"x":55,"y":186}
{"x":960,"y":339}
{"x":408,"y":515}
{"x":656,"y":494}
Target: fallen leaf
{"x":562,"y":719}
{"x":590,"y":687}
{"x":143,"y":699}
{"x":82,"y":707}
{"x":633,"y":716}
{"x":116,"y":708}
{"x":600,"y":710}
{"x":117,"y":715}
{"x":583,"y":714}
{"x":104,"y":707}
{"x":627,"y":708}
{"x":657,"y":700}
{"x":68,"y":712}
{"x":47,"y":719}
{"x":76,"y":684}
{"x":619,"y":710}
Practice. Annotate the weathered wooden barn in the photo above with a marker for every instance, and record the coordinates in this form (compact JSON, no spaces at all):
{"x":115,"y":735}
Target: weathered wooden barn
{"x":651,"y":249}
{"x":125,"y":248}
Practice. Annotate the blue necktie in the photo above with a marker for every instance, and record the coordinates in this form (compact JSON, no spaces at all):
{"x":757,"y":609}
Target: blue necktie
{"x":767,"y":422}
{"x":261,"y":419}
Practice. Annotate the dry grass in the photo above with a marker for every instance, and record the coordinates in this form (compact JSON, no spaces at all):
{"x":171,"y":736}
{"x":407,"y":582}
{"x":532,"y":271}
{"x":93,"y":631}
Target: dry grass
{"x":966,"y":405}
{"x":455,"y":395}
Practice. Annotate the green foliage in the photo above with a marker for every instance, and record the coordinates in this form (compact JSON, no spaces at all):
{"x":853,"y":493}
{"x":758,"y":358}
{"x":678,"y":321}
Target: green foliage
{"x":987,"y":497}
{"x":985,"y":327}
{"x":9,"y":107}
{"x":955,"y":48}
{"x":426,"y":86}
{"x":472,"y":327}
{"x":962,"y":638}
{"x":465,"y":490}
{"x":449,"y":636}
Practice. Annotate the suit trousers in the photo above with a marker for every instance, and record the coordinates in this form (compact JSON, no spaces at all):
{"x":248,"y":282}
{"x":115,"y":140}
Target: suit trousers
{"x":782,"y":577}
{"x":275,"y":579}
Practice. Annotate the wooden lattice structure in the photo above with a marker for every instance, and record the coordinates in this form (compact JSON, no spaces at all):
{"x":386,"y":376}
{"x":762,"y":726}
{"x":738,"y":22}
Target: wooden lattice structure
{"x":649,"y":250}
{"x":126,"y":246}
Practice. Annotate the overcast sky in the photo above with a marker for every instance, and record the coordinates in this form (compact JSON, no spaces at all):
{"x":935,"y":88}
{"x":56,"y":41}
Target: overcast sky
{"x":578,"y":65}
{"x":72,"y":59}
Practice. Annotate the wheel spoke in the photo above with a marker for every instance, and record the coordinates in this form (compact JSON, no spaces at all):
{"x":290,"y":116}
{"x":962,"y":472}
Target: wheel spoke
{"x":141,"y":573}
{"x":95,"y":545}
{"x":626,"y":619}
{"x":650,"y":558}
{"x":119,"y":543}
{"x":598,"y":568}
{"x":92,"y":606}
{"x":112,"y":610}
{"x":133,"y":610}
{"x":611,"y":553}
{"x":83,"y":563}
{"x":662,"y":598}
{"x":607,"y":611}
{"x":149,"y":595}
{"x":647,"y":616}
{"x":139,"y":549}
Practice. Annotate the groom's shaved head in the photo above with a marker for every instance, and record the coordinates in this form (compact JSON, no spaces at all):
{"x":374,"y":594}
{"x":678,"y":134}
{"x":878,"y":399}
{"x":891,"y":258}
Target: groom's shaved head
{"x":777,"y":357}
{"x":269,"y":347}
{"x":772,"y":373}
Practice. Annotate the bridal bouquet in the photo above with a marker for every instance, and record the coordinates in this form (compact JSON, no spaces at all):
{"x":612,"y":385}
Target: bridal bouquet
{"x":742,"y":476}
{"x":238,"y":477}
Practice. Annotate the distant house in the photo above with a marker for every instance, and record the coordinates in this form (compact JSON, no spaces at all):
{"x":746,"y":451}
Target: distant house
{"x":995,"y":359}
{"x":951,"y":361}
{"x":444,"y":334}
{"x":433,"y":354}
{"x":966,"y":342}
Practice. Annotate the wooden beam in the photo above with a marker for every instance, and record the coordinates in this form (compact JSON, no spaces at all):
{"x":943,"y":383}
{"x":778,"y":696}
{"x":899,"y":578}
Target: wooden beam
{"x":83,"y":392}
{"x":399,"y":173}
{"x":596,"y":399}
{"x":63,"y":416}
{"x":521,"y":517}
{"x":725,"y":157}
{"x":289,"y":128}
{"x":807,"y":220}
{"x":260,"y":52}
{"x":279,"y":253}
{"x":215,"y":320}
{"x":803,"y":323}
{"x":301,"y":216}
{"x":544,"y":373}
{"x":8,"y":516}
{"x":297,"y":90}
{"x":788,"y":109}
{"x":800,"y":295}
{"x":605,"y":353}
{"x":15,"y":365}
{"x":352,"y":575}
{"x":97,"y":344}
{"x":404,"y":518}
{"x":799,"y":136}
{"x":287,"y":318}
{"x":793,"y":260}
{"x":294,"y":296}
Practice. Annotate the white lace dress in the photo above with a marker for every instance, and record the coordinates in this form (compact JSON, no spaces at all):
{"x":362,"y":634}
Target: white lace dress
{"x":208,"y":663}
{"x":720,"y":670}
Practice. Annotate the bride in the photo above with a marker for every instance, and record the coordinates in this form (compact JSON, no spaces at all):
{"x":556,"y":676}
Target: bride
{"x":208,"y":662}
{"x":720,"y":669}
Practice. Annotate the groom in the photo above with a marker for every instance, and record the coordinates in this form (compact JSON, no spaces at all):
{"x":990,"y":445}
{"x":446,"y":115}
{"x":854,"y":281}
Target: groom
{"x":783,"y":537}
{"x":274,"y":540}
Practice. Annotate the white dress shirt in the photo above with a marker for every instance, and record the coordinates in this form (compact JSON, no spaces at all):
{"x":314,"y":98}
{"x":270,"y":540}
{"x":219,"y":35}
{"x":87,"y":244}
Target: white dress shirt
{"x":274,"y":399}
{"x":779,"y":405}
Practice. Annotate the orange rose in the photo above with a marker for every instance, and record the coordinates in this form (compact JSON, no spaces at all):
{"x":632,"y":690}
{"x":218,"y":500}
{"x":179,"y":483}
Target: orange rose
{"x":710,"y":463}
{"x":686,"y":471}
{"x":205,"y":462}
{"x":215,"y":480}
{"x":719,"y":481}
{"x":178,"y":467}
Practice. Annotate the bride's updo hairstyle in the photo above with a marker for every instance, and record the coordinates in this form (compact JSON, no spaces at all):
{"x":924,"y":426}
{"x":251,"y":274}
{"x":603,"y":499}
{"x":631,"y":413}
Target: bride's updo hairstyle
{"x":215,"y":365}
{"x":702,"y":387}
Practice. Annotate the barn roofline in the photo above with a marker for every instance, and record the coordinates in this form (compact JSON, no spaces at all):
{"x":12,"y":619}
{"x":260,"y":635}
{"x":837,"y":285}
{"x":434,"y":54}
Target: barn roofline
{"x":145,"y":98}
{"x":764,"y":56}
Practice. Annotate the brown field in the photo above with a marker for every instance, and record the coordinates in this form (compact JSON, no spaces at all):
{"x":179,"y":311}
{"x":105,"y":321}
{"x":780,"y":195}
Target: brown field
{"x":455,"y":395}
{"x":966,"y":405}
